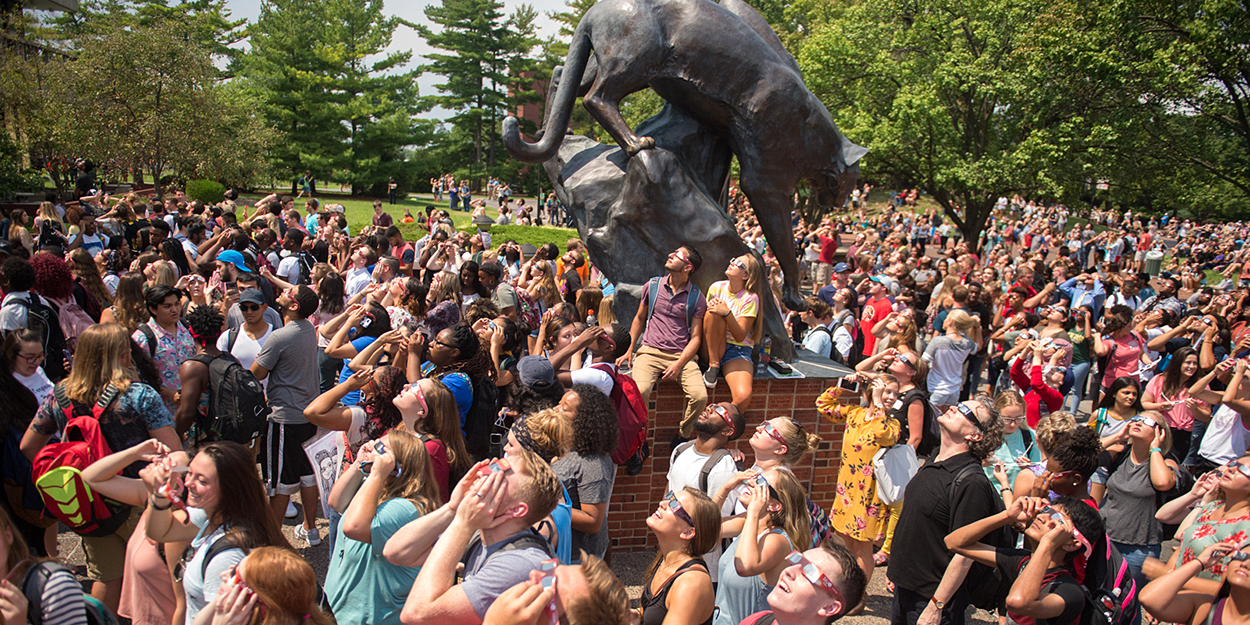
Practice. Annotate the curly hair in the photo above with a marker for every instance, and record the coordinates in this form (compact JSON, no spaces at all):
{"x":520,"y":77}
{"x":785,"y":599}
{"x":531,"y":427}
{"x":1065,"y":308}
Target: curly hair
{"x":992,"y":431}
{"x":1077,"y":450}
{"x":526,"y":400}
{"x":53,"y":277}
{"x":473,"y":360}
{"x":204,"y":323}
{"x":414,"y":298}
{"x":479,"y":309}
{"x":596,"y":426}
{"x":381,"y":415}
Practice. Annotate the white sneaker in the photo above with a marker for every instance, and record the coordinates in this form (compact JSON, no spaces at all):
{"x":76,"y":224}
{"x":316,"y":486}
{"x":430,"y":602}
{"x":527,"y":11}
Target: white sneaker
{"x":311,"y":535}
{"x":291,"y":512}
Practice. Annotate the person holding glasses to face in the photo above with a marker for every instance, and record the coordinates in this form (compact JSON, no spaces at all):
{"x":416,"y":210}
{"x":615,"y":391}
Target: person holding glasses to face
{"x":679,"y":587}
{"x":1019,"y":449}
{"x":1046,"y":583}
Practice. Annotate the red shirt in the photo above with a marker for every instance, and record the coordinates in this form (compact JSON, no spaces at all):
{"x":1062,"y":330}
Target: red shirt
{"x":875,"y":310}
{"x":828,"y":247}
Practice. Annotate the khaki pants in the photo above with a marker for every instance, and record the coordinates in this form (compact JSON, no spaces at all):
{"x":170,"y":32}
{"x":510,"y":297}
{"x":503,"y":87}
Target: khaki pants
{"x":649,"y":365}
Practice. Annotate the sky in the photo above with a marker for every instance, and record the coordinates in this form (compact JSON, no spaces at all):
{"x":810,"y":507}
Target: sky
{"x":406,"y":38}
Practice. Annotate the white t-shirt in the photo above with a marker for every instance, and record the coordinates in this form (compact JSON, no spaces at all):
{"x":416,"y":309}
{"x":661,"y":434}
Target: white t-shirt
{"x":594,"y":377}
{"x":684,"y":470}
{"x":38,"y":383}
{"x":191,"y":249}
{"x":201,"y":585}
{"x":1225,"y":438}
{"x":288,"y":269}
{"x":245,"y":347}
{"x":94,"y":243}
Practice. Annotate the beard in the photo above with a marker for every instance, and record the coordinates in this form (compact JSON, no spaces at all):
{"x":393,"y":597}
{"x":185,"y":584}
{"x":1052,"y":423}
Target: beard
{"x":708,"y":426}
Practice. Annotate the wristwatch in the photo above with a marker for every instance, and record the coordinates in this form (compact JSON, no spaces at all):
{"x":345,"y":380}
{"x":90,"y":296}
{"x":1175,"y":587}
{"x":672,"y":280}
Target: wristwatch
{"x":941,"y":605}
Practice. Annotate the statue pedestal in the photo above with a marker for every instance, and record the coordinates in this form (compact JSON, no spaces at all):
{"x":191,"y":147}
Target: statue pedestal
{"x":635,"y":497}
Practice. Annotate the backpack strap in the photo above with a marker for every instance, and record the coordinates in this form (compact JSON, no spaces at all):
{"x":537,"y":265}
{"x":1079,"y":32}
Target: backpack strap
{"x":231,"y":338}
{"x":150,"y":336}
{"x":1028,"y":439}
{"x":33,"y":586}
{"x":708,"y":465}
{"x":960,"y":475}
{"x":692,"y":302}
{"x":220,"y":545}
{"x":653,"y":292}
{"x":107,"y":395}
{"x":521,"y":540}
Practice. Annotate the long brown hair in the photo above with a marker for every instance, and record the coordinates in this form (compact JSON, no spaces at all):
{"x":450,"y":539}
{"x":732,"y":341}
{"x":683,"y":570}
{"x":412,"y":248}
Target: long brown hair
{"x":286,"y":585}
{"x":706,"y":516}
{"x":245,"y":511}
{"x":416,"y":479}
{"x":793,"y":516}
{"x":102,"y":353}
{"x":129,"y":306}
{"x":443,"y":422}
{"x":84,"y":267}
{"x":755,"y":284}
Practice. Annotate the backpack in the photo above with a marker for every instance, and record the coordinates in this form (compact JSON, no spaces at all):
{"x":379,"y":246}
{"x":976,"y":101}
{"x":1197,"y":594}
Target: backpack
{"x":1110,"y":588}
{"x":57,"y":471}
{"x":43,"y":319}
{"x":73,"y":319}
{"x":760,"y":618}
{"x":304,"y":268}
{"x":237,"y":410}
{"x":988,"y":586}
{"x":708,"y":464}
{"x":692,"y":301}
{"x":527,"y":310}
{"x":833,"y":354}
{"x":631,"y":413}
{"x":36,"y":580}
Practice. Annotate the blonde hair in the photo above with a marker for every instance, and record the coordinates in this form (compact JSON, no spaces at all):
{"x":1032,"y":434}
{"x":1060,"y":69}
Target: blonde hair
{"x":607,"y":316}
{"x":754,"y":284}
{"x":1051,"y":427}
{"x":962,"y":321}
{"x":1007,"y":398}
{"x":798,"y":440}
{"x":164,"y":273}
{"x":544,"y":289}
{"x":416,"y":479}
{"x":550,"y":430}
{"x":448,"y":288}
{"x":1166,"y":443}
{"x":905,"y":337}
{"x":47,"y":212}
{"x":793,"y":517}
{"x":101,"y":354}
{"x":540,"y":490}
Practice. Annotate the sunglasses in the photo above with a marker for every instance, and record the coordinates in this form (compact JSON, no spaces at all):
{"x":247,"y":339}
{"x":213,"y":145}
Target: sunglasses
{"x":971,"y":416}
{"x":1245,"y":470}
{"x":905,"y":359}
{"x":249,"y":307}
{"x":1239,"y":556}
{"x":499,"y":466}
{"x":674,"y":506}
{"x":772,"y":432}
{"x":739,"y":264}
{"x":813,"y":575}
{"x":380,"y":448}
{"x":682,"y":255}
{"x":447,"y":345}
{"x":722,"y":412}
{"x":761,"y":482}
{"x":1142,"y":419}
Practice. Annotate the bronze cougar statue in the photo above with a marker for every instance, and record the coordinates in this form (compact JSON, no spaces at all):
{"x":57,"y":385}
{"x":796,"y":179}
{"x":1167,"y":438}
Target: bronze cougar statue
{"x":724,"y":67}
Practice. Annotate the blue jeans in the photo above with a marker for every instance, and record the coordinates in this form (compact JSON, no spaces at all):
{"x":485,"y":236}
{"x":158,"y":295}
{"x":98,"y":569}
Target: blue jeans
{"x":333,"y":533}
{"x":1195,"y":441}
{"x":1135,"y":556}
{"x":1080,"y":373}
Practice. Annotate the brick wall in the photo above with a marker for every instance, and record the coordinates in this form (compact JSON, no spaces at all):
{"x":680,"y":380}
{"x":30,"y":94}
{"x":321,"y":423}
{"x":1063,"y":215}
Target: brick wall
{"x":634,"y":497}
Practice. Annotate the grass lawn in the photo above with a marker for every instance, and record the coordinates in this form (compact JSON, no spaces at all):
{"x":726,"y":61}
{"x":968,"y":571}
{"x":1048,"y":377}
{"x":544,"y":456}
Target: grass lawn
{"x":359,"y":212}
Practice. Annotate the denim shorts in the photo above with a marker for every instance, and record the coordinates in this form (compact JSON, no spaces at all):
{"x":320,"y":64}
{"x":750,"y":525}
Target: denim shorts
{"x":735,"y":352}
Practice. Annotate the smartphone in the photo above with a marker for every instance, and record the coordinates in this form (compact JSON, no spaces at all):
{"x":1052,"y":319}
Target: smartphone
{"x":847,"y":385}
{"x":548,"y":568}
{"x":232,"y":288}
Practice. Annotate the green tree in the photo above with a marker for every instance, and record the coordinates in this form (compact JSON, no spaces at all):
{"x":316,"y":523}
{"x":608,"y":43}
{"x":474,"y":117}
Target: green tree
{"x":970,"y":100}
{"x":487,"y":65}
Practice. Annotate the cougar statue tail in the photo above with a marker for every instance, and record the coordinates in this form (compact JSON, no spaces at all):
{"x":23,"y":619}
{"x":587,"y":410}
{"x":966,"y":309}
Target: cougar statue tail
{"x":556,"y":121}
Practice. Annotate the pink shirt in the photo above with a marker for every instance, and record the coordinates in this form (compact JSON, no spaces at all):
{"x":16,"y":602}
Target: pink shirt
{"x":1126,"y":359}
{"x":1180,"y":417}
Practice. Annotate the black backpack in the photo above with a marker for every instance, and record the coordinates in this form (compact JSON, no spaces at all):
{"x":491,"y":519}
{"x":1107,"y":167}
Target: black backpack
{"x":708,"y":465}
{"x":833,"y":353}
{"x":932,"y":436}
{"x":306,"y":262}
{"x":521,"y":540}
{"x":43,"y":318}
{"x":237,"y":410}
{"x":36,"y":581}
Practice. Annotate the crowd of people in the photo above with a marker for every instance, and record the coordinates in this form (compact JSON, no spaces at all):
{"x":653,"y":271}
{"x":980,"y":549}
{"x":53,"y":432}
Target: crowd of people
{"x":1055,"y":409}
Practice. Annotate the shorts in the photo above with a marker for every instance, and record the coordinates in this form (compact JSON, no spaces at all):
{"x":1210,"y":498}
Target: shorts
{"x":736,"y":352}
{"x":945,"y":399}
{"x":821,"y":274}
{"x":1140,"y":256}
{"x":106,"y":555}
{"x":284,"y":465}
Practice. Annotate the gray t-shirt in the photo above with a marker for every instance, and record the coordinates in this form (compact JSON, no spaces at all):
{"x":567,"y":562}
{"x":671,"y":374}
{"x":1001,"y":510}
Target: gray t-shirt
{"x":1130,"y":505}
{"x":505,"y":296}
{"x":589,"y":480}
{"x":290,"y":355}
{"x":487,"y":576}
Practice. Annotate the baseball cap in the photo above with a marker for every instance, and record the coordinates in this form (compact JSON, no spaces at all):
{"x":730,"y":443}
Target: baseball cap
{"x":883,"y":281}
{"x":234,"y":258}
{"x":841,"y":267}
{"x":252,"y":296}
{"x":536,"y":372}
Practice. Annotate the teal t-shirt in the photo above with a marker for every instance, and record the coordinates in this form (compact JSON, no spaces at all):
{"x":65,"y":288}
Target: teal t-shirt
{"x":363,"y":588}
{"x":1012,"y":448}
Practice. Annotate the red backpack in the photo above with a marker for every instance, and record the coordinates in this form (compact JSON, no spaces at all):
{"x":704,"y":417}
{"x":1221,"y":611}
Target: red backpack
{"x":631,"y":412}
{"x":57,"y":471}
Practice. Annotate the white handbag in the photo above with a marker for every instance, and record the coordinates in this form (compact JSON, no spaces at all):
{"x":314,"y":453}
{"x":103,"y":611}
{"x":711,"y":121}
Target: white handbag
{"x":894,"y":467}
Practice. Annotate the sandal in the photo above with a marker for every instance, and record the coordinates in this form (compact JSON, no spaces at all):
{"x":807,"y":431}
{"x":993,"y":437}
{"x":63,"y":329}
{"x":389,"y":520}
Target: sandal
{"x":880,"y":558}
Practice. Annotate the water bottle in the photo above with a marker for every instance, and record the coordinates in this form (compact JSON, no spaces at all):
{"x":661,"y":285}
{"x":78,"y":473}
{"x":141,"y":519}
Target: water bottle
{"x":761,"y":367}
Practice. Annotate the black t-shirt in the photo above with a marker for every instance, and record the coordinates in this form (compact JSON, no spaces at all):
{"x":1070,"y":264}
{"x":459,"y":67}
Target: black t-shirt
{"x":919,"y":556}
{"x":928,"y":442}
{"x":1057,"y":581}
{"x":573,"y":284}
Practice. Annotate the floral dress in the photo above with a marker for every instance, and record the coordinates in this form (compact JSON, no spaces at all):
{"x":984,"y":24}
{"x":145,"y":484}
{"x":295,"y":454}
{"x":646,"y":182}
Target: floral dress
{"x":857,"y":511}
{"x":1206,"y":531}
